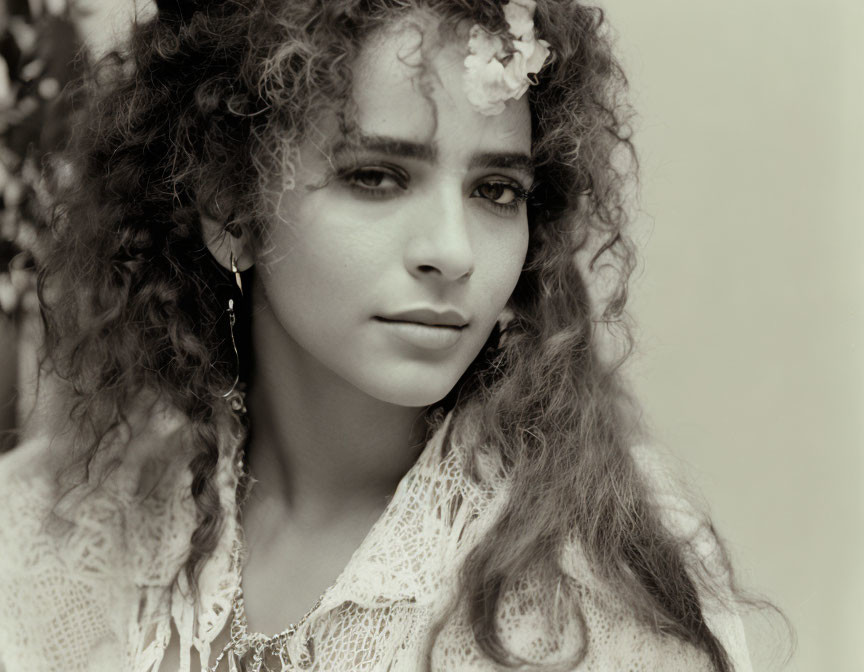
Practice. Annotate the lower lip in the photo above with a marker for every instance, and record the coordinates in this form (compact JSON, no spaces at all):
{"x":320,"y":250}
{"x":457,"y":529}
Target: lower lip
{"x":424,"y":335}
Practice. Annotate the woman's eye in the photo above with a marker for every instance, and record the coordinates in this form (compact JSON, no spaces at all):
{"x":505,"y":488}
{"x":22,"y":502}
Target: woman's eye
{"x":375,"y":181}
{"x":502,"y":194}
{"x":498,"y":192}
{"x":368,"y":178}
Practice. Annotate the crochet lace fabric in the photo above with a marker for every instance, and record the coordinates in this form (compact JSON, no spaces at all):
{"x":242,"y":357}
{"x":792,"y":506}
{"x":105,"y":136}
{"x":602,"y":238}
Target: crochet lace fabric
{"x":89,"y":584}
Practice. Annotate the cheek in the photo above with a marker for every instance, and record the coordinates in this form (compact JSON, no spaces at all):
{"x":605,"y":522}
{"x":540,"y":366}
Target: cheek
{"x":327,"y":254}
{"x":505,"y":259}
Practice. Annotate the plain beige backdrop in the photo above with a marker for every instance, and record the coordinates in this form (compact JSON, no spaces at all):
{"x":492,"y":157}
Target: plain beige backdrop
{"x":750,"y":297}
{"x":750,"y":304}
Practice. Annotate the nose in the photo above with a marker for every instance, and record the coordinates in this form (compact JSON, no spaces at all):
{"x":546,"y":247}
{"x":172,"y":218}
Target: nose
{"x":440,"y":244}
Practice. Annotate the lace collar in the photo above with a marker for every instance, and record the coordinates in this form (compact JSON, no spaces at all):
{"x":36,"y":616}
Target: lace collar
{"x":412,"y":553}
{"x":108,"y":571}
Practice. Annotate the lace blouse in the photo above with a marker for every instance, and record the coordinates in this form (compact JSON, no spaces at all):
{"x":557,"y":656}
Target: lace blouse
{"x":88,"y":582}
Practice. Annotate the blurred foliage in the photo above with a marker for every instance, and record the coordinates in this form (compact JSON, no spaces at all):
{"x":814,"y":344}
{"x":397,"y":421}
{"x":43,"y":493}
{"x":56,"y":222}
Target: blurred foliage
{"x":40,"y":54}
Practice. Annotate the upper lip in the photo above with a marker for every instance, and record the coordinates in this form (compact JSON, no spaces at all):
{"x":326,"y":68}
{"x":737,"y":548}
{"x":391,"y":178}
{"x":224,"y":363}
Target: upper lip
{"x":429,"y":316}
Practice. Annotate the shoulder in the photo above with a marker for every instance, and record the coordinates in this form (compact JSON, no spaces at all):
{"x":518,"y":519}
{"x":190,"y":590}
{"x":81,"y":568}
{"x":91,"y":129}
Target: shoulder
{"x":36,"y":515}
{"x":26,"y":492}
{"x":683,"y":512}
{"x":126,"y":501}
{"x":29,"y":458}
{"x":74,"y":558}
{"x":42,"y":602}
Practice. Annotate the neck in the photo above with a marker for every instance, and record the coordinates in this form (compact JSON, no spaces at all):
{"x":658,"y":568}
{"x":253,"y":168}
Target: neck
{"x":320,"y":446}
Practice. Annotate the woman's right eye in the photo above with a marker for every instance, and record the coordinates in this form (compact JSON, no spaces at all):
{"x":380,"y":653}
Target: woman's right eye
{"x":376,"y":181}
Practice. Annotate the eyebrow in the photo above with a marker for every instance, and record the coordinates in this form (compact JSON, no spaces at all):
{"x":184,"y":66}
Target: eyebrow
{"x":514,"y":160}
{"x":429,"y":153}
{"x":387,"y":145}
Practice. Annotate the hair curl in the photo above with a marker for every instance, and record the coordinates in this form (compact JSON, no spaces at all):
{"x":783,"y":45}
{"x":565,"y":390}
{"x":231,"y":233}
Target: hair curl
{"x":200,"y":113}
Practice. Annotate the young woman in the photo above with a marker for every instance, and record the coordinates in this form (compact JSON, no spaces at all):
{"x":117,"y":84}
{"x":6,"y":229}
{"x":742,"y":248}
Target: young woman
{"x":322,"y":285}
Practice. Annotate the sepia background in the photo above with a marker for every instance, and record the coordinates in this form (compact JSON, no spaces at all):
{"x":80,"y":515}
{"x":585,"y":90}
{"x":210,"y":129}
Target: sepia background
{"x":749,"y":298}
{"x":750,"y":304}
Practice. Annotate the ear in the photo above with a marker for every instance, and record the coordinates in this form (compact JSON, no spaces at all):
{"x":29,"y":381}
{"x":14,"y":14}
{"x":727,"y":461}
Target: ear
{"x":222,"y":243}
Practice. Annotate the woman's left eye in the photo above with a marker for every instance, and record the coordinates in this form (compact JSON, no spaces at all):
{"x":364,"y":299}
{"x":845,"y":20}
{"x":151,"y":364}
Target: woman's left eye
{"x":375,"y":181}
{"x":504,"y":195}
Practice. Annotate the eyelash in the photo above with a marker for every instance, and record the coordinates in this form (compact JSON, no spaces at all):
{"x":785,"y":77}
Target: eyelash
{"x":350,"y":177}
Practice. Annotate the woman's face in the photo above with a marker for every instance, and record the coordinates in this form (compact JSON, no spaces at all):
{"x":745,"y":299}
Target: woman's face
{"x":393,"y":256}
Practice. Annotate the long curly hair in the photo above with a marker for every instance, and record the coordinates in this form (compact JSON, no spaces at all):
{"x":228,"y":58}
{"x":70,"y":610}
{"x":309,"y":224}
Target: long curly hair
{"x":209,"y":101}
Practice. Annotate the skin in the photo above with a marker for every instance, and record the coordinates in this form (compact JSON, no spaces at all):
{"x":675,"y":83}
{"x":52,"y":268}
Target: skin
{"x":369,"y":231}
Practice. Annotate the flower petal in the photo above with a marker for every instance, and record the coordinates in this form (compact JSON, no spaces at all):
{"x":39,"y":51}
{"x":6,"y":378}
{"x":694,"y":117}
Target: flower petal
{"x":488,"y":81}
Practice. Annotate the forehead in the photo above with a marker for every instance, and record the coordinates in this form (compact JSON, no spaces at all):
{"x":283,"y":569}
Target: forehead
{"x":409,"y":83}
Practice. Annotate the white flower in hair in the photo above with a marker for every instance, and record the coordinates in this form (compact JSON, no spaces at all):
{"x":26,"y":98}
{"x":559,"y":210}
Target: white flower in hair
{"x":497,"y":67}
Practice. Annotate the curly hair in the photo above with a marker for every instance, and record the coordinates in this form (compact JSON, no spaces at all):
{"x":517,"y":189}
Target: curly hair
{"x":209,"y":102}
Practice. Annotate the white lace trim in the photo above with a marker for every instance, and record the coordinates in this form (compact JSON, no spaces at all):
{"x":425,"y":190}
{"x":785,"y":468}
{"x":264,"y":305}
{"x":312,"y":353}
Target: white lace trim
{"x":99,"y":592}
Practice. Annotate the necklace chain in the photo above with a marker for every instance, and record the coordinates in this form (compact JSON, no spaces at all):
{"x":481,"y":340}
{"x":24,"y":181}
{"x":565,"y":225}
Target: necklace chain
{"x":241,"y":641}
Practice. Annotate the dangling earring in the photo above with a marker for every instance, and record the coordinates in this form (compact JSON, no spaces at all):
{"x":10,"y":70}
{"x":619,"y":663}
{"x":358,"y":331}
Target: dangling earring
{"x":234,"y":395}
{"x":234,"y":230}
{"x":236,"y":273}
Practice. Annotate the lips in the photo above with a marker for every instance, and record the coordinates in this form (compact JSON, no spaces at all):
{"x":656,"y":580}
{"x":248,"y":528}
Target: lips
{"x":429,"y":317}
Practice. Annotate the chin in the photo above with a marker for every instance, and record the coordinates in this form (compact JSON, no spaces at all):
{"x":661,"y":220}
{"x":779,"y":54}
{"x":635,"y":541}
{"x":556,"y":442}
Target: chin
{"x":414,"y":391}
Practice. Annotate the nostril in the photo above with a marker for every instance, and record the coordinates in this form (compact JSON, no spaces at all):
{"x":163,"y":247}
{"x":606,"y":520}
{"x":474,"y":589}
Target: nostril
{"x":427,"y":268}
